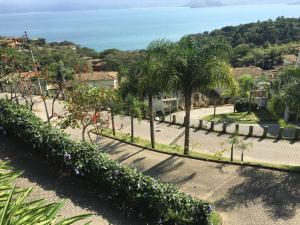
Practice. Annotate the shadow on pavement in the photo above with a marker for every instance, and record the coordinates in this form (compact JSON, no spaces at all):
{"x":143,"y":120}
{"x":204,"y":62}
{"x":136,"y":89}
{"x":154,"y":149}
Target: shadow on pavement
{"x":80,"y":192}
{"x":278,"y":192}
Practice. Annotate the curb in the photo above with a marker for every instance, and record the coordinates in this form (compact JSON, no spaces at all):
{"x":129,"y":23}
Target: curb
{"x":226,"y":162}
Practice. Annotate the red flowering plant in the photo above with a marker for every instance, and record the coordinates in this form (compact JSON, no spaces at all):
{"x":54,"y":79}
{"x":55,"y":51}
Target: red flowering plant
{"x":86,"y":110}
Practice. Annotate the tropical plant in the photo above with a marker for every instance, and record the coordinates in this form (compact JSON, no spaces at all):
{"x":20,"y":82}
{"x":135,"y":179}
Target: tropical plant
{"x":134,"y":107}
{"x":17,"y":209}
{"x":85,"y":109}
{"x":237,"y":143}
{"x":153,"y":79}
{"x":198,"y":66}
{"x":130,"y":92}
{"x":286,"y":93}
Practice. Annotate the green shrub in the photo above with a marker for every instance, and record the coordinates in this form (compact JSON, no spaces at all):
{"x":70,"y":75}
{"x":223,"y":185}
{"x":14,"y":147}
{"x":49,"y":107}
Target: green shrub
{"x":242,"y":105}
{"x":137,"y":192}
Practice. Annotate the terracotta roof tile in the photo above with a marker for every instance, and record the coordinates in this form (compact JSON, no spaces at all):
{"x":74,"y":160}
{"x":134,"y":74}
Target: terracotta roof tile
{"x":251,"y":70}
{"x":103,"y":75}
{"x":290,"y":57}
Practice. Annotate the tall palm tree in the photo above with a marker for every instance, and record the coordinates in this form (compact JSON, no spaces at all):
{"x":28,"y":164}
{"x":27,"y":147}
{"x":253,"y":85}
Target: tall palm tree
{"x":199,"y":65}
{"x":129,"y":92}
{"x":153,"y":79}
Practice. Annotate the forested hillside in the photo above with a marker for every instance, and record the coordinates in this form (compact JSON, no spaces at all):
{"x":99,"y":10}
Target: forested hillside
{"x":281,"y":30}
{"x":260,"y":43}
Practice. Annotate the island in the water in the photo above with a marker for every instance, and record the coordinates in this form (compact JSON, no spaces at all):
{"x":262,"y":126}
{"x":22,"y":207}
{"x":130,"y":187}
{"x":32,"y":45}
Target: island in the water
{"x":214,"y":3}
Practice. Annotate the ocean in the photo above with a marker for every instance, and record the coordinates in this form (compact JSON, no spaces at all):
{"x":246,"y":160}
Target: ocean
{"x":130,"y":29}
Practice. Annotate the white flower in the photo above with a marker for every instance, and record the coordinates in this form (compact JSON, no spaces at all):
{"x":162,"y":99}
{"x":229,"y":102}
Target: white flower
{"x":67,"y":156}
{"x":160,"y":221}
{"x":77,"y":172}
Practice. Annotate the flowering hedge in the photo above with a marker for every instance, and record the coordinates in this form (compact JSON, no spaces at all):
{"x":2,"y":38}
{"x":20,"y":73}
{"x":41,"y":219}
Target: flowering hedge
{"x":142,"y":194}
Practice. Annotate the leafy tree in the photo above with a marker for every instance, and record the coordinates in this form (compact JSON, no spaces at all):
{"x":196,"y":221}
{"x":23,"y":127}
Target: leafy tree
{"x":60,"y":75}
{"x":198,"y":66}
{"x":85,"y":110}
{"x":13,"y":61}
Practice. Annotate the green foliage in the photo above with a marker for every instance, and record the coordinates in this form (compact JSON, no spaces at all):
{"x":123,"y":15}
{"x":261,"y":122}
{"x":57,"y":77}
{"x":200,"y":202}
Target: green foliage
{"x":276,"y":106}
{"x":286,"y":92}
{"x":85,"y":108}
{"x":261,"y":43}
{"x":17,"y":209}
{"x":13,"y":61}
{"x":135,"y":191}
{"x":261,"y":116}
{"x":281,"y":30}
{"x":242,"y":105}
{"x":237,"y":143}
{"x":116,"y":59}
{"x":246,"y":83}
{"x":198,"y":65}
{"x":48,"y":56}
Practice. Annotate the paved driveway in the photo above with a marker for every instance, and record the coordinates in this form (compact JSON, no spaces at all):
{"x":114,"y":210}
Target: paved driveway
{"x":243,"y":195}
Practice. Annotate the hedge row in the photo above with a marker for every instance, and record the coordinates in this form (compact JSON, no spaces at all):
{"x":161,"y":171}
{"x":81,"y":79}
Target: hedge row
{"x":137,"y":192}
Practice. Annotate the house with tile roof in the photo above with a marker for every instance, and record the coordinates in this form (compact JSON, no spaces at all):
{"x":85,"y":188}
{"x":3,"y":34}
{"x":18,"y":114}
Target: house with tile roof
{"x":103,"y":79}
{"x":290,"y":59}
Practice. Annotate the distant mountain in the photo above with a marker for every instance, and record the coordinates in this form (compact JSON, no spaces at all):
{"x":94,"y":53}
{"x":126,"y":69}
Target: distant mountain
{"x":11,"y":6}
{"x":211,"y":3}
{"x":205,"y":3}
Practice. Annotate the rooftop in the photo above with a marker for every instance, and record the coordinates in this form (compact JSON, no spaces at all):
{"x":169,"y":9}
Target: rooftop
{"x":95,"y":76}
{"x":290,"y":57}
{"x":251,"y":70}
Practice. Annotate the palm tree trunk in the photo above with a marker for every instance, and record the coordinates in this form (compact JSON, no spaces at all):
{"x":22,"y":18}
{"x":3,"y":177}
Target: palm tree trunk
{"x":113,"y":121}
{"x":242,"y":156}
{"x":215,"y":108}
{"x":187,"y":107}
{"x":231,"y":153}
{"x":46,"y":109}
{"x":250,"y":100}
{"x":132,"y":128}
{"x":151,"y":116}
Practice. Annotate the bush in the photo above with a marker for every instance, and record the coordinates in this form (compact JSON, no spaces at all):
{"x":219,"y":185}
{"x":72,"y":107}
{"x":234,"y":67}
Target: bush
{"x":137,"y":192}
{"x":243,"y":106}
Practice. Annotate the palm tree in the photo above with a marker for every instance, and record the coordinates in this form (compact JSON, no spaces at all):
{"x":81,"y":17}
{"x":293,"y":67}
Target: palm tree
{"x":134,"y":107}
{"x":153,"y":79}
{"x":198,"y":66}
{"x":130,"y":93}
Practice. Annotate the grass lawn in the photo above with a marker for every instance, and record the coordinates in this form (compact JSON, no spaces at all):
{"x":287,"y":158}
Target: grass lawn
{"x":242,"y":117}
{"x":171,"y":149}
